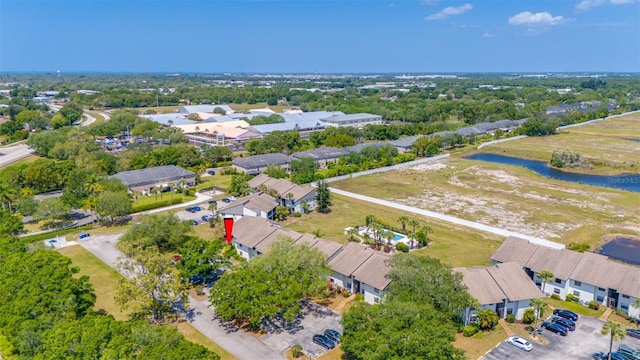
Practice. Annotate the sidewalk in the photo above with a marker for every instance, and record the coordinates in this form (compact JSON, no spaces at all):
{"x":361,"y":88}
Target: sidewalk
{"x":605,"y":315}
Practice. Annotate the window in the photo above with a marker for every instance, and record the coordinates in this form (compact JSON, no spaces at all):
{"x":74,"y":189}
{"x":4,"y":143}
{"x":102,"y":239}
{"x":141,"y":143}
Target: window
{"x":576,"y":293}
{"x":510,"y":311}
{"x":558,"y":281}
{"x":624,"y":306}
{"x":599,"y":299}
{"x":625,"y":296}
{"x":376,"y":300}
{"x":577,"y":283}
{"x":601,"y":289}
{"x":556,"y":291}
{"x":376,"y":290}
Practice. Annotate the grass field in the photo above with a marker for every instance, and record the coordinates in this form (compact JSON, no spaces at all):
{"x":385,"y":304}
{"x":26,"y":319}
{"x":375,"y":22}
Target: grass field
{"x":478,"y":344}
{"x":145,"y":200}
{"x":507,"y":197}
{"x":105,"y":280}
{"x":217,"y":180}
{"x":606,"y":144}
{"x":447,"y":239}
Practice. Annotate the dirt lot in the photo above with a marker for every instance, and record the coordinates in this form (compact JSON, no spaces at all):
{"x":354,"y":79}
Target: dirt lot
{"x":509,"y":197}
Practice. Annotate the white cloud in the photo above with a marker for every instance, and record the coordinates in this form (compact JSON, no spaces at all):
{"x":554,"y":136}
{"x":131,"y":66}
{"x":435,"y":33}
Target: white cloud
{"x":487,"y":35}
{"x":448,"y":11}
{"x":588,"y":4}
{"x":541,"y":18}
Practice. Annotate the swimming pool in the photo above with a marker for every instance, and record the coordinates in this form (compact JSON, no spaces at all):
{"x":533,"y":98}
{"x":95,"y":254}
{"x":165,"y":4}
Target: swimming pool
{"x":397,"y":237}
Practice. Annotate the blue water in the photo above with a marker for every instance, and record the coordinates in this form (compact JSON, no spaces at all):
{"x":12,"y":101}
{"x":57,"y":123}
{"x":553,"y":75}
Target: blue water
{"x":628,"y":182}
{"x":397,"y":237}
{"x":623,"y":249}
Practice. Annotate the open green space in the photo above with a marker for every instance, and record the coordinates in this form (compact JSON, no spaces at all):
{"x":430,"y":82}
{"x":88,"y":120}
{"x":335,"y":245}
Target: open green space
{"x":508,"y":197}
{"x":573,"y":306}
{"x":608,"y":155}
{"x":103,"y":278}
{"x":217,"y":181}
{"x":452,"y":244}
{"x":627,"y":126}
{"x":144,"y":201}
{"x":478,"y":344}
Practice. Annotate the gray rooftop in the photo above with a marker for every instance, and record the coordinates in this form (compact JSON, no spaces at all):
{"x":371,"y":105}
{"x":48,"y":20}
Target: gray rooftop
{"x":321,"y":153}
{"x":359,"y":147}
{"x":405,"y":142}
{"x":190,"y":109}
{"x":352,"y":117}
{"x":154,"y":174}
{"x":264,"y":160}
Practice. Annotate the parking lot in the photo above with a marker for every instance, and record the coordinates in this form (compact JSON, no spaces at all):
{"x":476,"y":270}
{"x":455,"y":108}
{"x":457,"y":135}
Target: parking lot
{"x":314,"y":320}
{"x":185,"y":215}
{"x":578,"y":344}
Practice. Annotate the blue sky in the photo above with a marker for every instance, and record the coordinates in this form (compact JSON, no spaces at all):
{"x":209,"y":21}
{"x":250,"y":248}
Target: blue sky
{"x":303,"y":36}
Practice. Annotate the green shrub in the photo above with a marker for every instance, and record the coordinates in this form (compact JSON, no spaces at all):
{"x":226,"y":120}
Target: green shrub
{"x":572,"y":298}
{"x":155,"y":205}
{"x":345,"y":293}
{"x":296,"y":351}
{"x":359,"y":298}
{"x":578,"y":247}
{"x":469,"y":330}
{"x":402,"y":247}
{"x":555,"y":296}
{"x":511,"y":318}
{"x":487,"y":319}
{"x":529,"y":316}
{"x":594,"y":305}
{"x":297,"y":214}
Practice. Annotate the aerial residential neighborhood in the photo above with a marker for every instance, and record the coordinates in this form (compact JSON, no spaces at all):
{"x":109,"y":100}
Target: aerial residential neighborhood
{"x":321,"y":180}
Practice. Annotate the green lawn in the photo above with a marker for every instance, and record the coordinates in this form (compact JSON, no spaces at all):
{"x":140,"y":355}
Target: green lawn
{"x":145,"y":200}
{"x":103,"y":278}
{"x":217,"y":180}
{"x":477,"y":345}
{"x":575,"y":307}
{"x":447,"y":239}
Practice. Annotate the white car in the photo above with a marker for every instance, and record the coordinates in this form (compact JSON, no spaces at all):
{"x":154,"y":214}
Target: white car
{"x":519,"y":342}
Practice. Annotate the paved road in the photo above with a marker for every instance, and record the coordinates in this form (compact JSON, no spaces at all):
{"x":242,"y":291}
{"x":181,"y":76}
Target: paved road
{"x":448,"y":218}
{"x":201,"y":317}
{"x":13,"y":153}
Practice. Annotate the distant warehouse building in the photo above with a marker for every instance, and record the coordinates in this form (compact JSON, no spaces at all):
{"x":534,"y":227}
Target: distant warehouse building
{"x":256,"y":164}
{"x":353,"y":120}
{"x":145,"y":180}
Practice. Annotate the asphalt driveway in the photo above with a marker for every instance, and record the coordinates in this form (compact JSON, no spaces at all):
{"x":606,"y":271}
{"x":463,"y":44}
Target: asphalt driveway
{"x":314,"y":319}
{"x":578,"y":344}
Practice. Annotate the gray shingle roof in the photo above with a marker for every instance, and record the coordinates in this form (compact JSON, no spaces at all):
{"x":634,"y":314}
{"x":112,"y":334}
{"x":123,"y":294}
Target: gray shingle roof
{"x":152,"y":175}
{"x":352,"y":117}
{"x":590,"y":268}
{"x":374,"y":271}
{"x":321,"y":153}
{"x":263,"y":160}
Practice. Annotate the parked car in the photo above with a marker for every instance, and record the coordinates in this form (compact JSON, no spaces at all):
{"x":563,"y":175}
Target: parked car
{"x":558,"y":329}
{"x":323,"y":341}
{"x":189,"y":209}
{"x":213,"y":202}
{"x":211,"y":172}
{"x":628,"y":352}
{"x":564,"y":322}
{"x":520,"y":343}
{"x":226,"y":200}
{"x":633,"y":333}
{"x":196,"y":208}
{"x":333,"y":335}
{"x":206,"y":217}
{"x":194,"y":222}
{"x":566,"y":314}
{"x":616,"y":356}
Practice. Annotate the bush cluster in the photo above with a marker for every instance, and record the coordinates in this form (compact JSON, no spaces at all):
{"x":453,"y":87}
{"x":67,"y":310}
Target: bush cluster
{"x":402,"y":247}
{"x":155,"y":205}
{"x":594,"y":305}
{"x":469,"y":330}
{"x":529,"y":316}
{"x":510,"y":318}
{"x":555,"y":296}
{"x":572,"y":298}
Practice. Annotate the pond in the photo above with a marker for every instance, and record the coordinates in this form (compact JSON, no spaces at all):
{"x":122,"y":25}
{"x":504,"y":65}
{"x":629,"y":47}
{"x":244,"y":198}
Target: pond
{"x":623,"y":249}
{"x":628,"y":182}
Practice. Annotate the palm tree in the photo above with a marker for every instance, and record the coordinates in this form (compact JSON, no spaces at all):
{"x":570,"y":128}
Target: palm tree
{"x":352,"y":232}
{"x":171,"y":185}
{"x":414,"y":224}
{"x":538,"y":306}
{"x":93,"y":184}
{"x":615,"y":330}
{"x":403,"y":220}
{"x":376,"y":229}
{"x":290,"y":198}
{"x":546,"y":276}
{"x":305,"y":207}
{"x":7,"y":195}
{"x":412,"y":239}
{"x":89,"y":203}
{"x":387,"y":235}
{"x":369,"y":220}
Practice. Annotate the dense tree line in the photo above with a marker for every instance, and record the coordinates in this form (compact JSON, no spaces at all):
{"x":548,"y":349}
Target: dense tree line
{"x":47,"y":313}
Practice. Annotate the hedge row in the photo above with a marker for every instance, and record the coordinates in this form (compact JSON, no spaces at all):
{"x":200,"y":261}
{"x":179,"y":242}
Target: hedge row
{"x":155,"y":205}
{"x":49,"y":235}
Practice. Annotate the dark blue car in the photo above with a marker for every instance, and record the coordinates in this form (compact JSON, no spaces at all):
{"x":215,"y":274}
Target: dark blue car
{"x":333,"y":335}
{"x":324,"y":341}
{"x":564,"y":322}
{"x":566,"y":314}
{"x":558,"y":329}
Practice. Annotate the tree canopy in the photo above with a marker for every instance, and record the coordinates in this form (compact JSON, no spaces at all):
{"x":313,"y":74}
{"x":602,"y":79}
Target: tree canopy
{"x":270,"y":285}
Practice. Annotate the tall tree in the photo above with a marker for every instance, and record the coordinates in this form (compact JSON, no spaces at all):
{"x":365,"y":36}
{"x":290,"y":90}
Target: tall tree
{"x":239,"y":185}
{"x":7,"y":196}
{"x":403,"y":220}
{"x":52,"y":210}
{"x":546,"y":276}
{"x":616,"y":332}
{"x":10,"y":224}
{"x":272,"y":284}
{"x":538,"y":306}
{"x":199,"y":257}
{"x":165,"y":232}
{"x":323,"y":197}
{"x":152,"y":286}
{"x":111,"y":205}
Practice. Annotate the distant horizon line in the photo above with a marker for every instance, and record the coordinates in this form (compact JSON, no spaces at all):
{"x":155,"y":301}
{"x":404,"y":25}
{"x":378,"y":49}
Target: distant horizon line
{"x":227,"y":73}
